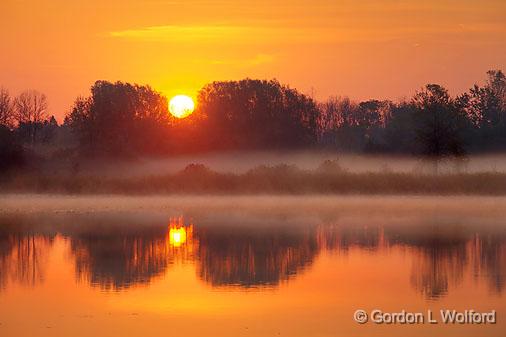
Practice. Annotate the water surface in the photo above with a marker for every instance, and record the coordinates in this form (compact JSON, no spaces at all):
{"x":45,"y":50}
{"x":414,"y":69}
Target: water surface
{"x":272,"y":270}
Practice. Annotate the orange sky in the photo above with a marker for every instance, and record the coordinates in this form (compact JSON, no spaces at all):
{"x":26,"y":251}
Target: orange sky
{"x":363,"y":49}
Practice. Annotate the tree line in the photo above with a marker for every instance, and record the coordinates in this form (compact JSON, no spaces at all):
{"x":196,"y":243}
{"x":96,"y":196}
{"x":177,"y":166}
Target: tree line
{"x":123,"y":119}
{"x":431,"y":123}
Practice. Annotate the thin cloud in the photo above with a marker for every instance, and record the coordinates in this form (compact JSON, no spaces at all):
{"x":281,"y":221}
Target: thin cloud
{"x":338,"y":33}
{"x":181,"y":33}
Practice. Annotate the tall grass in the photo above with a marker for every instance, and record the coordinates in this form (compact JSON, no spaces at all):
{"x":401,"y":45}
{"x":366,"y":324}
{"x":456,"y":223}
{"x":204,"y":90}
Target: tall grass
{"x":329,"y":178}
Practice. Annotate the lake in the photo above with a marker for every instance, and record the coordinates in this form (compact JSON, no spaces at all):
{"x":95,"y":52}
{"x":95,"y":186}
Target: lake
{"x":248,"y":266}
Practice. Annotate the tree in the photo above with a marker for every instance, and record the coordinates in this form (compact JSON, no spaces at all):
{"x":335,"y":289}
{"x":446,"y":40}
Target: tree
{"x":80,"y":121}
{"x":497,"y":83}
{"x":352,"y":127}
{"x":345,"y":131}
{"x":256,"y":114}
{"x":373,"y":113}
{"x":30,"y":111}
{"x":438,"y":124}
{"x":6,"y":109}
{"x":11,"y":151}
{"x":400,"y":136}
{"x":372,"y":117}
{"x":120,"y":119}
{"x":485,"y":106}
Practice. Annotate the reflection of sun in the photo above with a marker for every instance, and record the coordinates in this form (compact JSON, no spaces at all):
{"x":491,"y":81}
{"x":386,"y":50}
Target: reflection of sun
{"x":181,"y":106}
{"x":179,"y":234}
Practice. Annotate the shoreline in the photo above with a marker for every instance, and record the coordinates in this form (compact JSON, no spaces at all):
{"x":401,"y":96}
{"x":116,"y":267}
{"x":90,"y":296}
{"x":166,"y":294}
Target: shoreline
{"x":395,"y":205}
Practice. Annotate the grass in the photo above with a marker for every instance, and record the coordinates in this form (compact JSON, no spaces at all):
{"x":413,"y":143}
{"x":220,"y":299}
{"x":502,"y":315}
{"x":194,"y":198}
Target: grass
{"x":281,"y":179}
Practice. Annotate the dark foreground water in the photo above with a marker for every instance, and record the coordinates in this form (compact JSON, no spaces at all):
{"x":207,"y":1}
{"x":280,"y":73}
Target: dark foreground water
{"x":237,"y":272}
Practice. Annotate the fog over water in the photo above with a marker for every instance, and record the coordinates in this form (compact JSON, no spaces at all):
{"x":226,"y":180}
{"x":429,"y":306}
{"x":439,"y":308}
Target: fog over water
{"x":240,"y":162}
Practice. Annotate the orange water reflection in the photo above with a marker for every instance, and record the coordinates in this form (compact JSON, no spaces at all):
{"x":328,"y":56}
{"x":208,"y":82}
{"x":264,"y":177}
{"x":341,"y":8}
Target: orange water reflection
{"x":119,"y":256}
{"x":179,"y":233}
{"x":152,"y":265}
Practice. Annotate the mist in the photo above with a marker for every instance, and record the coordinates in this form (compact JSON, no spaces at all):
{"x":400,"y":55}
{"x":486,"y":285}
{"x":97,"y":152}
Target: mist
{"x":240,"y":162}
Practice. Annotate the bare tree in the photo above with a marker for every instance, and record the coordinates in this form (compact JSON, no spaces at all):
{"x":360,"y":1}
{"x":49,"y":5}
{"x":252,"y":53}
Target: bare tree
{"x":31,"y":107}
{"x":31,"y":110}
{"x":6,"y":108}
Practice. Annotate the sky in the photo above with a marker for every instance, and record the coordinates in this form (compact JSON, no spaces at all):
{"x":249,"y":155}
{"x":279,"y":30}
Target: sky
{"x":361,"y":49}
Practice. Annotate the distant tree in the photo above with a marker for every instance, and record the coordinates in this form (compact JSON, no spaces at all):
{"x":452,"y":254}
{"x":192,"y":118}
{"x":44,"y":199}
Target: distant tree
{"x":337,"y":121}
{"x":400,"y":136}
{"x":256,"y":114}
{"x":6,"y":109}
{"x":485,"y":107}
{"x":336,"y":112}
{"x":80,"y":121}
{"x":497,"y":83}
{"x":372,"y":117}
{"x":353,"y":127}
{"x":11,"y":151}
{"x":49,"y":130}
{"x":120,"y":119}
{"x":30,"y":112}
{"x":373,"y":113}
{"x":438,"y":124}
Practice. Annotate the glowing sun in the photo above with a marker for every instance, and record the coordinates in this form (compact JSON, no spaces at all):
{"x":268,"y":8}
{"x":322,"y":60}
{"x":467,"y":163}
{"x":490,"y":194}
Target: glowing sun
{"x":181,"y":106}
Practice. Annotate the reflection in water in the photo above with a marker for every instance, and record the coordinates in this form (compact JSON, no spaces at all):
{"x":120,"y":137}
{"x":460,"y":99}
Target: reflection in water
{"x":23,"y":259}
{"x":439,"y":255}
{"x":179,"y":234}
{"x":118,"y":262}
{"x":436,"y":268}
{"x":248,"y":257}
{"x":338,"y":237}
{"x":117,"y":253}
{"x":121,"y":258}
{"x":489,"y":260}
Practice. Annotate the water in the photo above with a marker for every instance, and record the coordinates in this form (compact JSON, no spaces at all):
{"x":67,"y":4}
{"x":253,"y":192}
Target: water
{"x":260,"y":267}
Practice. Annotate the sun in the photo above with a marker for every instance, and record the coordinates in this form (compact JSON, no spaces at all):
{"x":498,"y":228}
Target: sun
{"x":181,"y":106}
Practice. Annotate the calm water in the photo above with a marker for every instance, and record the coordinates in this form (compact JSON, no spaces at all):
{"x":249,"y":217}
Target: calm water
{"x":240,"y":273}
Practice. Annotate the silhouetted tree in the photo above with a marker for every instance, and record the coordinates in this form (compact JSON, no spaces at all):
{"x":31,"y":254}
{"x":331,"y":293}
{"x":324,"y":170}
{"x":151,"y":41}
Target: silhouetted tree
{"x":120,"y":119}
{"x":486,"y":108}
{"x":336,"y":123}
{"x":255,"y":114}
{"x":400,"y":134}
{"x":31,"y":111}
{"x":372,"y":116}
{"x":6,"y":109}
{"x":348,"y":126}
{"x":11,"y":151}
{"x":438,"y":124}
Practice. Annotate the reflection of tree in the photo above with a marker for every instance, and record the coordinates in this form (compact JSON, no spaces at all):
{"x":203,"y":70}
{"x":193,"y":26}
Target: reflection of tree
{"x":438,"y":264}
{"x":439,"y":255}
{"x":489,"y":260}
{"x":342,"y":237}
{"x":118,"y":252}
{"x":120,"y":258}
{"x":5,"y":252}
{"x":436,"y":267}
{"x":23,"y":259}
{"x":251,"y":257}
{"x":116,"y":262}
